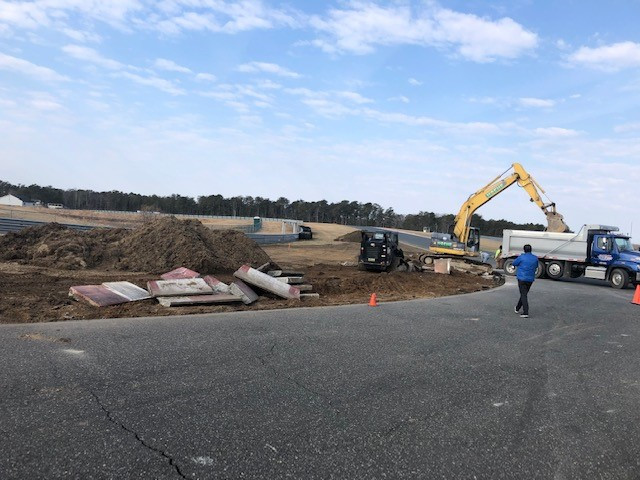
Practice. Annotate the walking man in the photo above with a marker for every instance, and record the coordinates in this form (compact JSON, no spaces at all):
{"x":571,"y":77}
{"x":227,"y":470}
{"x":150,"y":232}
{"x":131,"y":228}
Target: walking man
{"x":527,"y":264}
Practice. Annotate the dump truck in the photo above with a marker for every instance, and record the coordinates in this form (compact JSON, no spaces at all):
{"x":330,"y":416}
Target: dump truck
{"x":596,"y":251}
{"x":380,"y":251}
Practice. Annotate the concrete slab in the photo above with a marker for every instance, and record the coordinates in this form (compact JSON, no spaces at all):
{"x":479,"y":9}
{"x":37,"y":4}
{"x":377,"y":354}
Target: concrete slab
{"x":266,"y":282}
{"x":442,"y":265}
{"x":244,"y":291}
{"x":284,"y":273}
{"x":290,"y":280}
{"x":128,"y":290}
{"x":181,"y":272}
{"x":216,"y":285}
{"x":309,"y":296}
{"x":179,"y":287}
{"x":198,"y":300}
{"x":96,"y":295}
{"x":304,"y":288}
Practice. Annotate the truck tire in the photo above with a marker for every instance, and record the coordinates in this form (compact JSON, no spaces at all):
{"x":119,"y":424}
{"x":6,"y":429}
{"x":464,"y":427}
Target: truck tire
{"x":509,"y":269}
{"x":555,"y":269}
{"x":619,"y":278}
{"x":541,"y":272}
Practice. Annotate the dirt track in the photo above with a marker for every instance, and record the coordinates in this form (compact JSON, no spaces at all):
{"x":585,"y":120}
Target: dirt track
{"x":32,"y":293}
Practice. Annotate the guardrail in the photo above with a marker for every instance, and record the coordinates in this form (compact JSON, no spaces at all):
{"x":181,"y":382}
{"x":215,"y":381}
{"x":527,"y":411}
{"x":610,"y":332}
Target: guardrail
{"x":15,"y":225}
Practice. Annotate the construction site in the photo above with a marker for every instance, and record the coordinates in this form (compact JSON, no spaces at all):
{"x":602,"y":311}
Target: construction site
{"x":39,"y":265}
{"x":60,"y":264}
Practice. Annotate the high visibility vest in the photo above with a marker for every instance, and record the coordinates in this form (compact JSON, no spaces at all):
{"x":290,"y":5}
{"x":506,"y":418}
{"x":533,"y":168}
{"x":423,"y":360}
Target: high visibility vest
{"x":498,"y":252}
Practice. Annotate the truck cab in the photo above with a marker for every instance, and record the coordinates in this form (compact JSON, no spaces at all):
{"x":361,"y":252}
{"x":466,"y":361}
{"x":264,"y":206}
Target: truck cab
{"x":614,"y":257}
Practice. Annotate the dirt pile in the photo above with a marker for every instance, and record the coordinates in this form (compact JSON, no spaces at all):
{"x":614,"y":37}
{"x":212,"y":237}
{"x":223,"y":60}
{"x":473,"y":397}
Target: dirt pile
{"x":169,"y":243}
{"x":354,"y":236}
{"x":156,"y":247}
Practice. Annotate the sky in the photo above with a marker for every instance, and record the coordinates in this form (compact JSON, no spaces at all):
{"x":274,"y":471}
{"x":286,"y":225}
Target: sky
{"x":413,"y":105}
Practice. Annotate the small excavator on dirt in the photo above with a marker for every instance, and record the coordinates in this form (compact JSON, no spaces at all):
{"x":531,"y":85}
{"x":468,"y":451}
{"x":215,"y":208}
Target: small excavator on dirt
{"x":464,"y":240}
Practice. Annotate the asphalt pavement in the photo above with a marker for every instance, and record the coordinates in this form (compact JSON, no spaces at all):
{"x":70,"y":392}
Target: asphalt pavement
{"x":454,"y":387}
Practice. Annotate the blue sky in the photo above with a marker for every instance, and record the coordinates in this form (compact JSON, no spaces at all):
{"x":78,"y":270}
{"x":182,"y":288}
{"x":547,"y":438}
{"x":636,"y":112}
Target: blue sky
{"x":413,"y":105}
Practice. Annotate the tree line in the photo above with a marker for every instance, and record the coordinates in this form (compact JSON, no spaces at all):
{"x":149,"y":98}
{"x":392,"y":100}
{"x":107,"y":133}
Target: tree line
{"x":344,"y":212}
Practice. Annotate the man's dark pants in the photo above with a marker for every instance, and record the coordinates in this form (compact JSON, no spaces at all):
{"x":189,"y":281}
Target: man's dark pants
{"x":523,"y":302}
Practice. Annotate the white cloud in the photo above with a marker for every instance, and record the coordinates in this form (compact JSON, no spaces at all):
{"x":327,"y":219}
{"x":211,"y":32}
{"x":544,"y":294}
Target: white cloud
{"x":239,"y":96}
{"x":354,"y":97}
{"x":484,"y":100}
{"x":168,"y":16}
{"x":92,"y":56}
{"x":400,"y":98}
{"x":81,"y":36}
{"x":413,"y":81}
{"x":44,"y":102}
{"x":536,"y":102}
{"x":627,"y":127}
{"x":205,"y":77}
{"x":43,"y":13}
{"x":155,"y":82}
{"x":220,"y":16}
{"x":556,"y":132}
{"x":263,"y":67}
{"x":610,"y":58}
{"x":19,"y":65}
{"x":267,"y":84}
{"x":361,"y":26}
{"x":170,"y":66}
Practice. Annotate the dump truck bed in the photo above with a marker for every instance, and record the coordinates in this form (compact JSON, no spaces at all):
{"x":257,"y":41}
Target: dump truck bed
{"x":552,"y":245}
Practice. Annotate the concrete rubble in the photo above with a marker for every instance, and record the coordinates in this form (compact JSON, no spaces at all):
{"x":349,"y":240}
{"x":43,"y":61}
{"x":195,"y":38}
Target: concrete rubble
{"x":181,"y":272}
{"x":183,"y":286}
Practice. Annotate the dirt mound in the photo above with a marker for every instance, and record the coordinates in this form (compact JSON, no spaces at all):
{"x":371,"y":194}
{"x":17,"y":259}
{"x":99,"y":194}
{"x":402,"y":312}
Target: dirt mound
{"x":354,"y":236}
{"x":169,"y":243}
{"x":156,"y":247}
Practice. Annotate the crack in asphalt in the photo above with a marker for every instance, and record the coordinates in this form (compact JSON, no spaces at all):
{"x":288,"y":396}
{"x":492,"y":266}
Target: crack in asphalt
{"x":276,"y":372}
{"x":112,"y":419}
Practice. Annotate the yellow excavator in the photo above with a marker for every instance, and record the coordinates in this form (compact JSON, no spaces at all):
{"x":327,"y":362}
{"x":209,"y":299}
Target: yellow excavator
{"x":464,"y":240}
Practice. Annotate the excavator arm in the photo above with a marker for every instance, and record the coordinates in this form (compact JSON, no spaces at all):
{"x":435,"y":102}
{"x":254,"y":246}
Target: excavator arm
{"x":462,"y":222}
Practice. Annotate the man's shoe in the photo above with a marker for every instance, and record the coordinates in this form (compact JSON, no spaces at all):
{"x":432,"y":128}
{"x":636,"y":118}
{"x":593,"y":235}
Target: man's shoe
{"x":515,"y":309}
{"x":524,"y":315}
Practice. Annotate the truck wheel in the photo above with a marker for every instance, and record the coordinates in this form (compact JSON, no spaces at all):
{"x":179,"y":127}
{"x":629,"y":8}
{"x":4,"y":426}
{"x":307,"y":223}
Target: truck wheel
{"x":619,"y":278}
{"x":540,"y":271}
{"x":555,"y":270}
{"x":509,"y":269}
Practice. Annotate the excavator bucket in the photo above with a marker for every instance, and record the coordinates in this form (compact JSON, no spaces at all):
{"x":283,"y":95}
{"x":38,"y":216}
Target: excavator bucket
{"x":555,"y":223}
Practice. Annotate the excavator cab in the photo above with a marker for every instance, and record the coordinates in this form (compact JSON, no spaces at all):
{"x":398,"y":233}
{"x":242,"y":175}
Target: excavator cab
{"x":473,"y":242}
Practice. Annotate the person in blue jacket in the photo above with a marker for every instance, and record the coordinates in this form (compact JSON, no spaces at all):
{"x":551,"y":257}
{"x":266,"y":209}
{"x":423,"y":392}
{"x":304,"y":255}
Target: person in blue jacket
{"x":527,"y":264}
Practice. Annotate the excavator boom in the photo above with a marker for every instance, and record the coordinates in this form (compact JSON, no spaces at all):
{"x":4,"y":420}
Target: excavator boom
{"x":462,"y":223}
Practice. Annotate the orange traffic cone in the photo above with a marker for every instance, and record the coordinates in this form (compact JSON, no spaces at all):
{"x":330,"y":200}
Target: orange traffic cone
{"x":636,"y":296}
{"x":373,"y":301}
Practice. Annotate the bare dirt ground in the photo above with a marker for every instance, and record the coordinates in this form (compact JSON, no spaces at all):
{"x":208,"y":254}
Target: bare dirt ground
{"x":39,"y":293}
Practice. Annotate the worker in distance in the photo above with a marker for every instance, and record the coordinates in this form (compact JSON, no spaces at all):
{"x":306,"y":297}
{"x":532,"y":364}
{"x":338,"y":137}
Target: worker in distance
{"x":527,"y":263}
